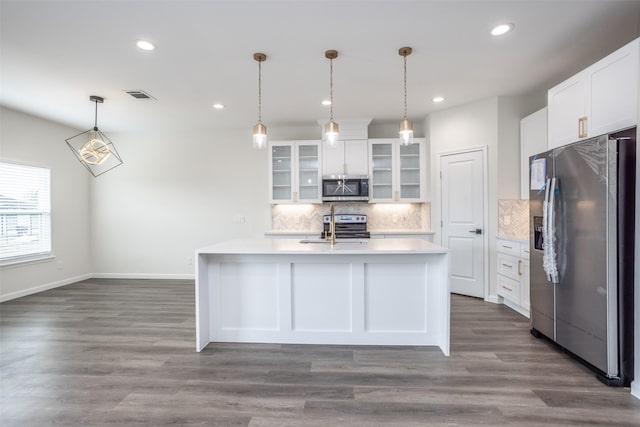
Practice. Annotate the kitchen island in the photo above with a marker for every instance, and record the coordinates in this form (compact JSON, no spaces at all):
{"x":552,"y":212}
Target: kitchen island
{"x":360,"y":292}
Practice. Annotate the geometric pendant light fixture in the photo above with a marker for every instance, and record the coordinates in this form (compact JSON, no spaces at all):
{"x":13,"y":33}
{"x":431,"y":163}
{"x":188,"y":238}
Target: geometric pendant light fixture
{"x":406,"y":126}
{"x":259,"y":129}
{"x":93,"y":148}
{"x":331,"y":128}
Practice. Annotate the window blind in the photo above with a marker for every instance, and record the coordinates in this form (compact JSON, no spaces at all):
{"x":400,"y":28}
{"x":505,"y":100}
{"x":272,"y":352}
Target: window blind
{"x":25,"y":213}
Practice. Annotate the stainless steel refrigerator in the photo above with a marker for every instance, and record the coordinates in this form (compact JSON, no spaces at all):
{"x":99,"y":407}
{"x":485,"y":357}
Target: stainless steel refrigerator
{"x":582,"y":208}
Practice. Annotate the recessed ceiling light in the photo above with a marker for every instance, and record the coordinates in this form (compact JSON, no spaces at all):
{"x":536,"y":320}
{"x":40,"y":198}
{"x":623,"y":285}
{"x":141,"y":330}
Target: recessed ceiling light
{"x":145,"y":45}
{"x":438,"y":99}
{"x":218,"y":106}
{"x":326,"y":102}
{"x":501,"y":29}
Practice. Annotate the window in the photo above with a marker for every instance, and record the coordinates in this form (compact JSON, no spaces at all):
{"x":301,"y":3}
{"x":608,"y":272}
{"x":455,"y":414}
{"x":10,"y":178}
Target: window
{"x":25,"y":213}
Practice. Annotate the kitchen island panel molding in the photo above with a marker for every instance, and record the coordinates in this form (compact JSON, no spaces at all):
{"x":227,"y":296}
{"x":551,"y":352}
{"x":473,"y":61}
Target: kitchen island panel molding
{"x":256,"y":286}
{"x":321,"y":302}
{"x":394,"y":293}
{"x":389,"y":286}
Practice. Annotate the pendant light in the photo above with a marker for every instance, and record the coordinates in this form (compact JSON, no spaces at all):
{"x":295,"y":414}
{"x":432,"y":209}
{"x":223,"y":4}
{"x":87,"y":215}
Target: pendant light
{"x":259,"y":129}
{"x":406,"y":126}
{"x":93,"y":148}
{"x":331,"y":128}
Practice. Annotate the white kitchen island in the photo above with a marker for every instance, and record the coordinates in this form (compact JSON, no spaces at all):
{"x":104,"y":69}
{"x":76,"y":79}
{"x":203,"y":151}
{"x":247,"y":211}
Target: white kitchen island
{"x":378,"y":292}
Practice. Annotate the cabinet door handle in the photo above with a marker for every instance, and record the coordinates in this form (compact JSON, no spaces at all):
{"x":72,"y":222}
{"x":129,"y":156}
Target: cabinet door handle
{"x":519,"y":264}
{"x":396,"y":196}
{"x":295,"y":196}
{"x":582,"y":127}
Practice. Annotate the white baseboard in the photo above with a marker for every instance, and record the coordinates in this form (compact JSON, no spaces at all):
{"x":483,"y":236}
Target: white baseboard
{"x":492,"y":298}
{"x":635,"y":389}
{"x":45,"y":287}
{"x":70,"y":280}
{"x":143,"y":276}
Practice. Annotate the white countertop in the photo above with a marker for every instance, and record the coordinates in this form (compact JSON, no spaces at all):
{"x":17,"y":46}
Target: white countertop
{"x":373,"y":232}
{"x":402,"y":232}
{"x":350,"y":246}
{"x":513,"y":239}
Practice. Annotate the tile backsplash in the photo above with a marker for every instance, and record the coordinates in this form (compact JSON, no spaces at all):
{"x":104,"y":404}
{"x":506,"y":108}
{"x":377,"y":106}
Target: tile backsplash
{"x":380,"y":216}
{"x":513,"y":219}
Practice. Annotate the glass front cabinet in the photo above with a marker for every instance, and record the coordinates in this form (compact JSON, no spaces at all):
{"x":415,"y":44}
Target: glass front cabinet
{"x":295,"y":174}
{"x":397,"y":171}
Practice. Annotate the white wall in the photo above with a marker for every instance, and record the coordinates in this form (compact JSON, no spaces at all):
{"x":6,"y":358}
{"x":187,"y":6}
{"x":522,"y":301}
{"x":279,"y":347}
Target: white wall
{"x":177,"y":192}
{"x":29,"y":140}
{"x":473,"y":125}
{"x":493,"y":123}
{"x":511,"y":110}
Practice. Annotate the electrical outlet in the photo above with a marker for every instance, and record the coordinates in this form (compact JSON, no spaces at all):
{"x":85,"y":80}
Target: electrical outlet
{"x":240,"y":219}
{"x":506,"y":220}
{"x":189,"y":261}
{"x":59,"y":265}
{"x":296,"y":219}
{"x":394,"y":218}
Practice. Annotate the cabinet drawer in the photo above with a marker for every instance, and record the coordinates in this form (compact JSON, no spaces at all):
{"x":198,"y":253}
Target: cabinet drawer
{"x":508,"y":247}
{"x":524,"y":250}
{"x":508,"y":266}
{"x":509,"y":288}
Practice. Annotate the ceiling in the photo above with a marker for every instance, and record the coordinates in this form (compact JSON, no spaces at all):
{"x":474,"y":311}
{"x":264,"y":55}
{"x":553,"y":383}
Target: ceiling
{"x":55,"y":54}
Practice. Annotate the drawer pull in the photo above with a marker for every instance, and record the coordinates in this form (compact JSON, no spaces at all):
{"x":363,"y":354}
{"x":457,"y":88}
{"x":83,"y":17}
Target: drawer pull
{"x":507,"y":247}
{"x":507,"y":288}
{"x":507,"y":265}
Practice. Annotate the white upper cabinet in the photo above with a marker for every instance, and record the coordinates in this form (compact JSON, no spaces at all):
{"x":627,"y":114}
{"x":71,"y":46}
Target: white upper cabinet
{"x":294,"y":172}
{"x":347,"y":158}
{"x":600,"y":99}
{"x":567,"y":110}
{"x":533,"y":140}
{"x":397,"y":172}
{"x":614,"y":91}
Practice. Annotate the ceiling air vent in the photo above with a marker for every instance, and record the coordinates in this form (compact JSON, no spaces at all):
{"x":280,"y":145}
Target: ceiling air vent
{"x":139,"y":94}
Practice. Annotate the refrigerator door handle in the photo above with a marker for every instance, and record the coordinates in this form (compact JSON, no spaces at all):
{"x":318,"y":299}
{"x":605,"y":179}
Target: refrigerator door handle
{"x":549,"y":257}
{"x":552,"y":232}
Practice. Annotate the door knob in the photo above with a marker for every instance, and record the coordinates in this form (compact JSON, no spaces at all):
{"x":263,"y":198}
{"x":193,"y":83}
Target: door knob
{"x":476,"y":231}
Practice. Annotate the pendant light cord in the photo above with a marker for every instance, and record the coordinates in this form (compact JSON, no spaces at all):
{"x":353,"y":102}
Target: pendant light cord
{"x":95,"y":121}
{"x":259,"y":91}
{"x":331,"y":86}
{"x":405,"y":87}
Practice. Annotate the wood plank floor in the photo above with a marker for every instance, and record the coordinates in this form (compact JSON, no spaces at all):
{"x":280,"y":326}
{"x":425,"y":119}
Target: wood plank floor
{"x":122,"y":352}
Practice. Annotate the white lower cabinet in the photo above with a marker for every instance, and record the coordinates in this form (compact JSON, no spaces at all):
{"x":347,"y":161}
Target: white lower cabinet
{"x":513,"y":274}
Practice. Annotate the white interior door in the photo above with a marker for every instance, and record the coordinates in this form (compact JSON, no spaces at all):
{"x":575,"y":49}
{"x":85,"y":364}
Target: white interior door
{"x":462,"y":190}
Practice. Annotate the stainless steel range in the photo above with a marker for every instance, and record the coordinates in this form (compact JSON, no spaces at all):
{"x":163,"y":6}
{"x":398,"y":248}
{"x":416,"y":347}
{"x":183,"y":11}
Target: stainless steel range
{"x":348,"y":226}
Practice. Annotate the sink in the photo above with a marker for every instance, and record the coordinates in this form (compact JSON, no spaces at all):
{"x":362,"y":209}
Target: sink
{"x":327,"y":242}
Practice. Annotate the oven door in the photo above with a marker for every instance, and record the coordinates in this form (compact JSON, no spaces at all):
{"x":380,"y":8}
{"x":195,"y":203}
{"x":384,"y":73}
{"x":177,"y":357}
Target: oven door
{"x":343,"y":189}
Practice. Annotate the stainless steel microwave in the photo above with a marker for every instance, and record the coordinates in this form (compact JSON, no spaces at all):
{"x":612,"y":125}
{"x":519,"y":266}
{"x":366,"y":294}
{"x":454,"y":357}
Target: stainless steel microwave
{"x":345,"y":188}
